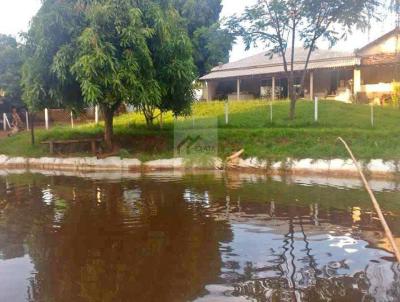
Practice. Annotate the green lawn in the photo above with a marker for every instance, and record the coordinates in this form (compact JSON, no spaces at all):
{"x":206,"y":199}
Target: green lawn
{"x":249,"y":128}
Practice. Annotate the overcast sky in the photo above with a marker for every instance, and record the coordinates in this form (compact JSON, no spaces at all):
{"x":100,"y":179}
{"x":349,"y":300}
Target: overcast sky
{"x":16,"y":14}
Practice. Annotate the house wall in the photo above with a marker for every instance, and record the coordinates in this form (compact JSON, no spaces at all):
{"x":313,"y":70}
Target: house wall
{"x":379,"y":74}
{"x":389,"y":45}
{"x":377,"y":80}
{"x":209,"y":90}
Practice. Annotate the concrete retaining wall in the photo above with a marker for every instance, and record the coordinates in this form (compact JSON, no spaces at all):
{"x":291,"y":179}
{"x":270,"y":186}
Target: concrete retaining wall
{"x":375,"y":167}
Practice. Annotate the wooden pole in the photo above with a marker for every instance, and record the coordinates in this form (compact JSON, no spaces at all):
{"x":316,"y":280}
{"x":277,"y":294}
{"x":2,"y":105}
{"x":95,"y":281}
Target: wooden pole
{"x":226,"y":112}
{"x":271,"y":110}
{"x":27,"y":120}
{"x":46,"y":118}
{"x":316,"y":109}
{"x":72,"y":120}
{"x":32,"y":120}
{"x":372,"y":115}
{"x":385,"y":226}
{"x":96,"y":114}
{"x":4,"y":122}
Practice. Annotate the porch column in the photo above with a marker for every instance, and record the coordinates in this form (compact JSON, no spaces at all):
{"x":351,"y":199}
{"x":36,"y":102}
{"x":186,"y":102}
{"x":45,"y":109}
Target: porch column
{"x":357,"y":81}
{"x":312,"y":85}
{"x":210,"y":87}
{"x":206,"y":94}
{"x":238,"y":89}
{"x":273,"y":88}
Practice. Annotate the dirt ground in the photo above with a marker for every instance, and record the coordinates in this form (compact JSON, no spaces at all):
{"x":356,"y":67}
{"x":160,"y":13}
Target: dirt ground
{"x":3,"y":134}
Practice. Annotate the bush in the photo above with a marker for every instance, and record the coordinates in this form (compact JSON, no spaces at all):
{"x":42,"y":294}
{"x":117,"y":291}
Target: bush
{"x":396,"y":94}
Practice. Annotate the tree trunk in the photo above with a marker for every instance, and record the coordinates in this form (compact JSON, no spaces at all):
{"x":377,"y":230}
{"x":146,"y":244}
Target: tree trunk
{"x":32,"y":125}
{"x":149,"y":120}
{"x":108,"y":126}
{"x":148,"y":113}
{"x":292,"y":97}
{"x":292,"y":92}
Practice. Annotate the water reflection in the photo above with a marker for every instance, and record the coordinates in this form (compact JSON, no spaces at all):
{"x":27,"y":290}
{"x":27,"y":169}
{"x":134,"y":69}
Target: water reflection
{"x":202,"y":238}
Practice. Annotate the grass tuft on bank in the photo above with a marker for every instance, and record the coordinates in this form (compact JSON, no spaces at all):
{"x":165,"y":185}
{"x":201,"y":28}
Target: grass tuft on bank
{"x":249,"y":128}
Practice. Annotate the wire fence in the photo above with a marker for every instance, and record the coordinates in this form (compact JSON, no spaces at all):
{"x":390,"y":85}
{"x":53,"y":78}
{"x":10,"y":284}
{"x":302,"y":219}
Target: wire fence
{"x":272,"y":114}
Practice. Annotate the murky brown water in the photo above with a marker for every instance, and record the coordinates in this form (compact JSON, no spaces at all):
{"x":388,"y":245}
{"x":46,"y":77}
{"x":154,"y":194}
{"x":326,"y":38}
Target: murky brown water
{"x":194,"y":238}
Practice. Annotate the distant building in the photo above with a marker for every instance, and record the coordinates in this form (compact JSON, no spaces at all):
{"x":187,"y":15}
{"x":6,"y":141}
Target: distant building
{"x":366,"y":73}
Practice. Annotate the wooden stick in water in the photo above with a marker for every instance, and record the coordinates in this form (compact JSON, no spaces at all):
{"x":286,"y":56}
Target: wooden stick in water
{"x":388,"y":232}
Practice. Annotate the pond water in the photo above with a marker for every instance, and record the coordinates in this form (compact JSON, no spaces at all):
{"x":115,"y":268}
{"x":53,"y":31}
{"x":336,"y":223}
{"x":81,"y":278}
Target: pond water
{"x":210,"y":237}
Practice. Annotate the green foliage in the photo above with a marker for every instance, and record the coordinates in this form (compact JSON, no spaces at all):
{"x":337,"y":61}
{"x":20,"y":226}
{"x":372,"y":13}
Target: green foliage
{"x":211,"y":42}
{"x":279,"y":24}
{"x":50,"y":43}
{"x":113,"y":63}
{"x":107,"y":53}
{"x":396,"y":94}
{"x":10,"y":69}
{"x":171,"y":52}
{"x":250,"y":129}
{"x":212,"y":46}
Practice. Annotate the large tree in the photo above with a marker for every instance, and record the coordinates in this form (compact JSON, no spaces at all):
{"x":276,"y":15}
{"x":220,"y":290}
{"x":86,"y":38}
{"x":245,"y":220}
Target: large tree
{"x":10,"y":69}
{"x":53,"y":30}
{"x":281,"y":25}
{"x":113,"y":63}
{"x":211,"y":43}
{"x":107,"y":53}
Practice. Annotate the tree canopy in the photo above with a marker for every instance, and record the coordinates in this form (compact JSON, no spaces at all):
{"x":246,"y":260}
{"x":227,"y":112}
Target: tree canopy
{"x":211,"y":43}
{"x":171,"y":52}
{"x":10,"y":69}
{"x":280,"y":25}
{"x":53,"y":30}
{"x":107,"y":53}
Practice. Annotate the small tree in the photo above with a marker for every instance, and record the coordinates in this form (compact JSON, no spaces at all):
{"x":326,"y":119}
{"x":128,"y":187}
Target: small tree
{"x":281,"y":24}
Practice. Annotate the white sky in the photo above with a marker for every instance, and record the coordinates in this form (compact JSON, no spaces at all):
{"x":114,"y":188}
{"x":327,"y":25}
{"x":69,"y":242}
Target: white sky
{"x":16,"y":14}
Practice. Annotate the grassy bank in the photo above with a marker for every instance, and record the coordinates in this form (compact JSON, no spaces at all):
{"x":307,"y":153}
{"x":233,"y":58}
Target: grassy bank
{"x":249,"y":128}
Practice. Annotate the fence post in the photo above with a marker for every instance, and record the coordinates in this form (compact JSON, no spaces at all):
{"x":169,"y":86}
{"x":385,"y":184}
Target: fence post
{"x":271,"y":110}
{"x":372,"y":115}
{"x":226,"y":112}
{"x":46,"y":118}
{"x":316,"y":109}
{"x":72,"y":119}
{"x":4,"y":122}
{"x":96,"y":114}
{"x":27,"y":120}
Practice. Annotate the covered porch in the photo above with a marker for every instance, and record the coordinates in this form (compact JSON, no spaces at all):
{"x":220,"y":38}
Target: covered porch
{"x":334,"y":83}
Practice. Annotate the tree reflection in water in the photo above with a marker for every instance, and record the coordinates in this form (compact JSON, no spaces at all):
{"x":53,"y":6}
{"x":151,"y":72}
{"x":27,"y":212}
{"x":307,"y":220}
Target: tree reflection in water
{"x":194,"y":238}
